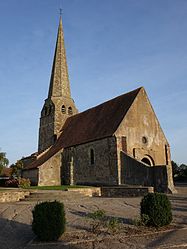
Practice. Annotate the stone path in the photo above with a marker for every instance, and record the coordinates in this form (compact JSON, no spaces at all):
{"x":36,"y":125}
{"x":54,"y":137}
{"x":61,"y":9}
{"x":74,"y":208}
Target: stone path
{"x":16,"y":232}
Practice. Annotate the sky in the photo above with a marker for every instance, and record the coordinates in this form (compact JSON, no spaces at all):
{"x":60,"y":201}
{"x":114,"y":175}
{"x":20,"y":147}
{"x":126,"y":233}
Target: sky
{"x":112,"y":47}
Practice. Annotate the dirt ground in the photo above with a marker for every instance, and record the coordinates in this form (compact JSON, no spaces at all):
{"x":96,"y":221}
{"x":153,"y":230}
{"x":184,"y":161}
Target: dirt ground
{"x":16,"y":219}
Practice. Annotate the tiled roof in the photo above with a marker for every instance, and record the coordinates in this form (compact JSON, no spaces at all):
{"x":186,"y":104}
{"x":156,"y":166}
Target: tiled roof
{"x":93,"y":124}
{"x":6,"y":172}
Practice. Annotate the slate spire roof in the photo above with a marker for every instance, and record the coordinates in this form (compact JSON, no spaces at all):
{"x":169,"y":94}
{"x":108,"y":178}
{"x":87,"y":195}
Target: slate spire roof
{"x":96,"y":123}
{"x":59,"y":82}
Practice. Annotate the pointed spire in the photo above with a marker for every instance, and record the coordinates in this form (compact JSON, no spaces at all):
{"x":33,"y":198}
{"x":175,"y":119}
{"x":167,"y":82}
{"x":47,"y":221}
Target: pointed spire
{"x":59,"y":83}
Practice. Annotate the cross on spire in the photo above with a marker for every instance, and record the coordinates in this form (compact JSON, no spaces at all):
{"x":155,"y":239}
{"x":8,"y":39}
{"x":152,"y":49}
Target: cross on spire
{"x":60,"y":12}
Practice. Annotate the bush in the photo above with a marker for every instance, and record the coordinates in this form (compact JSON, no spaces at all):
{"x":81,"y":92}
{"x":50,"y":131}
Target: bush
{"x":157,"y":208}
{"x":12,"y":183}
{"x":24,"y":183}
{"x":98,"y":220}
{"x":49,"y":220}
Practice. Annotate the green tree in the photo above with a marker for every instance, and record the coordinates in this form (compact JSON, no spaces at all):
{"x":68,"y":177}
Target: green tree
{"x":175,"y":168}
{"x":16,"y":168}
{"x":3,"y":161}
{"x":183,"y":170}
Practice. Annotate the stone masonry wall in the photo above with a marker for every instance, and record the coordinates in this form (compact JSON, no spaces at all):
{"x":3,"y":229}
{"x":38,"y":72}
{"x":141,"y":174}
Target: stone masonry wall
{"x":50,"y":172}
{"x":138,"y":173}
{"x":78,"y":169}
{"x":144,"y":136}
{"x":11,"y":196}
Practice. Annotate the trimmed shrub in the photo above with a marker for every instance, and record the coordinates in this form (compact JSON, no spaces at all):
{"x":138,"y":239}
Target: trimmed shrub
{"x":48,"y":220}
{"x":157,"y":208}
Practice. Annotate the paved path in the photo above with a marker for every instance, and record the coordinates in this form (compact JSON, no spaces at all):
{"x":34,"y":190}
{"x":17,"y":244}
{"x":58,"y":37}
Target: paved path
{"x":16,"y":232}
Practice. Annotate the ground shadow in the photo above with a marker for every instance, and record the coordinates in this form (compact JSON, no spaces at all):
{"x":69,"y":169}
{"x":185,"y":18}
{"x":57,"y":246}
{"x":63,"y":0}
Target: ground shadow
{"x":14,"y":234}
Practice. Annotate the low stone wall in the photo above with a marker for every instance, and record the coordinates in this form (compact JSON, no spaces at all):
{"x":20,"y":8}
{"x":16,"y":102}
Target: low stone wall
{"x":13,"y":196}
{"x":125,"y":191}
{"x":87,"y":191}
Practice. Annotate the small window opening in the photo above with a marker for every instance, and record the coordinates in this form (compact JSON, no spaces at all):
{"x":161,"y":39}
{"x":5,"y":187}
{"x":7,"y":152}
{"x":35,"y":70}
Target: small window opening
{"x":70,"y":112}
{"x":92,"y":157}
{"x":63,"y":109}
{"x":50,"y":109}
{"x":144,"y":140}
{"x":54,"y":138}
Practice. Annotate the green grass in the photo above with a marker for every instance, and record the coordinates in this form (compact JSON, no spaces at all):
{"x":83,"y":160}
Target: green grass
{"x":62,"y":187}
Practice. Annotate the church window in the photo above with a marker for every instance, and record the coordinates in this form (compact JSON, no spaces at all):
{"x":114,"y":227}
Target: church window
{"x":70,"y":111}
{"x":54,"y":138}
{"x":63,"y":109}
{"x":144,"y":140}
{"x":166,"y":153}
{"x":92,"y":157}
{"x":123,"y":144}
{"x":50,"y":109}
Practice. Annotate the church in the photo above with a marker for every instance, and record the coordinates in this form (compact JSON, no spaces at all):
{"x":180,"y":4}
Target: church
{"x":119,"y":142}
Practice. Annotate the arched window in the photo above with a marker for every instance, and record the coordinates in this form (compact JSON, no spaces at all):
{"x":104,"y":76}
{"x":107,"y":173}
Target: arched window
{"x":50,"y":109}
{"x":92,"y":157}
{"x":63,"y":109}
{"x":54,"y":138}
{"x":70,"y":112}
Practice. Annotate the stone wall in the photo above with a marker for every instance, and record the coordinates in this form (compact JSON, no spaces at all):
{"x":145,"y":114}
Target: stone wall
{"x":86,"y":191}
{"x":144,"y":137}
{"x":78,"y":167}
{"x":50,"y":172}
{"x":138,"y":173}
{"x":12,"y":196}
{"x":141,"y":128}
{"x":125,"y":191}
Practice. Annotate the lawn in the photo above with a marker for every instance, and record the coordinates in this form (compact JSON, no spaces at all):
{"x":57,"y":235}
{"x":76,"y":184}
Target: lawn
{"x":62,"y":187}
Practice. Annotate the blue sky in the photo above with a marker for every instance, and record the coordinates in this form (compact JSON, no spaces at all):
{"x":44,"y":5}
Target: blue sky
{"x":113,"y":46}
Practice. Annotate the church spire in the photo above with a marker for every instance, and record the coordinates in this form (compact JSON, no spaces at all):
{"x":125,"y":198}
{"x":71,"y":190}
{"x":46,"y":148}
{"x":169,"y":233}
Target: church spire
{"x":59,"y":82}
{"x":59,"y":105}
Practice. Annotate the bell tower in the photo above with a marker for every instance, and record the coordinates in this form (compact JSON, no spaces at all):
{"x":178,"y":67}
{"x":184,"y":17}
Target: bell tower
{"x":59,"y":105}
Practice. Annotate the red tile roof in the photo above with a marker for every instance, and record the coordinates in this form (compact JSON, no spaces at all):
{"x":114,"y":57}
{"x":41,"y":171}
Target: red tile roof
{"x":6,"y":172}
{"x":93,"y":124}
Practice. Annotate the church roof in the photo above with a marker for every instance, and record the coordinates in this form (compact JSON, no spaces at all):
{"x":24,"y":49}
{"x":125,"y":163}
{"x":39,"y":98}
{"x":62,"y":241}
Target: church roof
{"x":96,"y":123}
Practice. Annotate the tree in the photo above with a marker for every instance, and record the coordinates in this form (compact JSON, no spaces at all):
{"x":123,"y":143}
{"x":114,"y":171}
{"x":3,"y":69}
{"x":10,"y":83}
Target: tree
{"x":179,"y":171}
{"x":175,"y":168}
{"x":16,"y":168}
{"x":183,"y":170}
{"x":3,"y":161}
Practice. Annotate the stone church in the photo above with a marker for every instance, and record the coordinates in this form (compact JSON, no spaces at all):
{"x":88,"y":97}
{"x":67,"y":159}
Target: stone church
{"x":118,"y":142}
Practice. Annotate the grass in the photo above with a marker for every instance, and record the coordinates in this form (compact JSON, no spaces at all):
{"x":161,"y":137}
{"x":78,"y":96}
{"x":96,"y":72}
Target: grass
{"x":62,"y":187}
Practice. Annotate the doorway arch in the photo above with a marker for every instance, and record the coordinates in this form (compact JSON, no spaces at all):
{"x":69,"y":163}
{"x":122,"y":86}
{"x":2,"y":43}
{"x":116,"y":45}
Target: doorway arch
{"x":148,"y":160}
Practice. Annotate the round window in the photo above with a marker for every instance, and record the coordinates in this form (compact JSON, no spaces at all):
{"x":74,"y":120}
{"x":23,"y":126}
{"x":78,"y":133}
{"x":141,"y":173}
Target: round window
{"x":144,"y":140}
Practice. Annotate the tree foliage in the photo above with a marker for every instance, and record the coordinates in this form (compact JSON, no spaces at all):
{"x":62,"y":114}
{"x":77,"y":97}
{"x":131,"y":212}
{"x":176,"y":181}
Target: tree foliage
{"x":179,"y":171}
{"x":16,"y":168}
{"x":3,"y":161}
